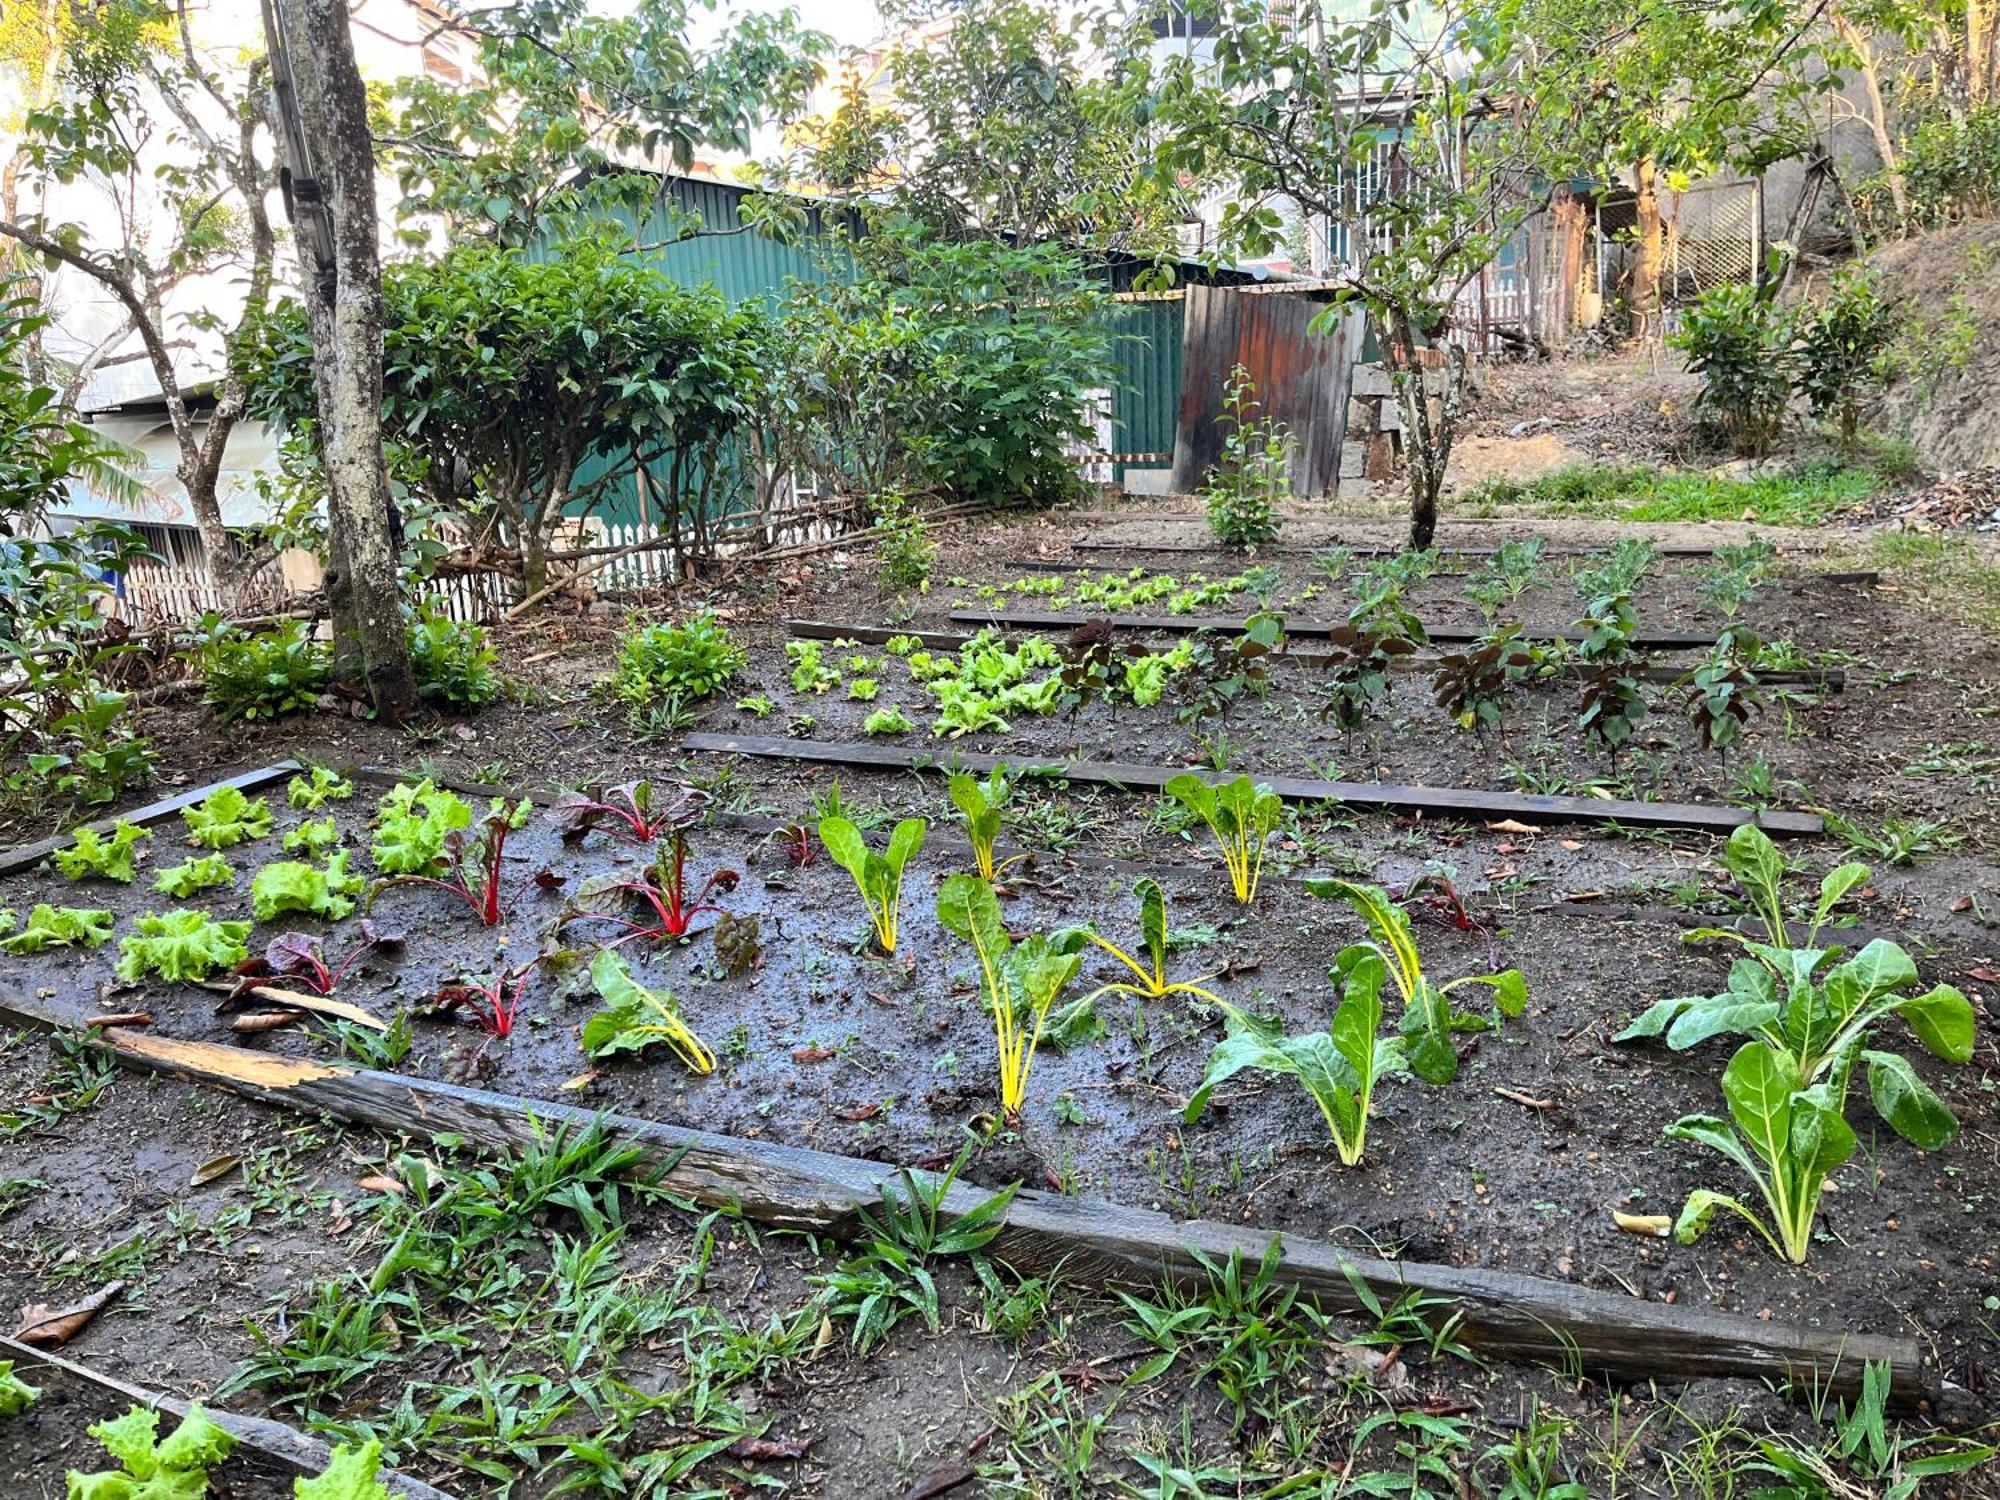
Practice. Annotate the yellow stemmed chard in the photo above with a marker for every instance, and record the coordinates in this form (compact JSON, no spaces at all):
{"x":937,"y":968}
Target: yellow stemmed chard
{"x":634,"y":1018}
{"x":1152,"y":982}
{"x":1021,"y":982}
{"x":1241,"y":814}
{"x":979,"y":803}
{"x":879,"y":877}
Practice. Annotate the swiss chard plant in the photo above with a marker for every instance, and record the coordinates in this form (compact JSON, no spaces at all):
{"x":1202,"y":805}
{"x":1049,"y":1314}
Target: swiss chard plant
{"x":59,"y":927}
{"x":193,"y":876}
{"x":317,"y":787}
{"x":979,"y":803}
{"x":635,"y":1018}
{"x":149,"y":1467}
{"x":1149,"y":980}
{"x":492,"y":1001}
{"x":469,"y":861}
{"x":412,"y":823}
{"x":1787,"y":1136}
{"x":1020,"y":982}
{"x":181,"y":946}
{"x":1338,"y":1067}
{"x":879,"y":877}
{"x":1429,"y":1019}
{"x":625,"y":811}
{"x":300,"y":958}
{"x":113,"y":857}
{"x":1818,"y":1012}
{"x":226,"y":817}
{"x":664,"y":892}
{"x":291,"y":885}
{"x":1241,"y":815}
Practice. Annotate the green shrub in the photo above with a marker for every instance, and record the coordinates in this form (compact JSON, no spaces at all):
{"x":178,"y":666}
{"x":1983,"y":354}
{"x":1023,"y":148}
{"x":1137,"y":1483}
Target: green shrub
{"x":904,"y":546}
{"x":262,"y":676}
{"x":683,"y":663}
{"x":1255,"y":472}
{"x":1951,"y":171}
{"x":1739,"y":343}
{"x":452,"y":661}
{"x":1842,"y":347}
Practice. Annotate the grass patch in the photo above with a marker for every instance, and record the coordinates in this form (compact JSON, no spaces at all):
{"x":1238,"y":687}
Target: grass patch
{"x":1954,"y":575}
{"x":1806,"y":495}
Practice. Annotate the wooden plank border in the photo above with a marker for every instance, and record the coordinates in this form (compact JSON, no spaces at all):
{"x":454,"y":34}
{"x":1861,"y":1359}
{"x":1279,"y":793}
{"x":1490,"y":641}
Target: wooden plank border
{"x":1050,"y":619}
{"x":1096,"y":1243}
{"x":1863,"y":576}
{"x":27,"y":856}
{"x":1833,"y":679}
{"x":1448,"y":802}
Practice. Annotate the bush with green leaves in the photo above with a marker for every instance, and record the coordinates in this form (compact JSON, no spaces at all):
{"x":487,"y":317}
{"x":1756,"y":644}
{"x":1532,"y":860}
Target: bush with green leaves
{"x":1254,"y":475}
{"x":1842,"y":345}
{"x":902,"y":544}
{"x":452,"y":660}
{"x":263,"y":674}
{"x":682,"y":664}
{"x":1738,"y":340}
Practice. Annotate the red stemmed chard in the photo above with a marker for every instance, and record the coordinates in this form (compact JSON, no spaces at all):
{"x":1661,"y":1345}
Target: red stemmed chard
{"x":492,"y":1002}
{"x":472,"y":861}
{"x":300,"y":958}
{"x":625,"y":812}
{"x":665,"y":893}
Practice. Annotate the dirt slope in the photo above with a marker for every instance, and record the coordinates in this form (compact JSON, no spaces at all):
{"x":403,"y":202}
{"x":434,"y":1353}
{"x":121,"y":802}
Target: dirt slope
{"x":1948,"y":282}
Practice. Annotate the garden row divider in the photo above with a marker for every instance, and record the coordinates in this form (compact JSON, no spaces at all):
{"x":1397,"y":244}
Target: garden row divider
{"x":27,"y":856}
{"x":1094,"y":1243}
{"x":1304,"y":549}
{"x":1049,"y":565}
{"x":1833,"y":679}
{"x":1451,"y":802}
{"x":1048,"y":619}
{"x":282,"y":1445}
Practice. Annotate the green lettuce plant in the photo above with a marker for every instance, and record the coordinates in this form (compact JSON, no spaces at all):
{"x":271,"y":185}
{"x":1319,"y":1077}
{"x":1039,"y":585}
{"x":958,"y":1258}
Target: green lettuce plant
{"x":1787,"y":1136}
{"x":193,"y":876}
{"x":286,"y":885}
{"x":635,"y":1018}
{"x":181,"y":945}
{"x":316,"y":788}
{"x":16,"y":1395}
{"x":226,"y":818}
{"x":349,"y":1475}
{"x":315,"y":835}
{"x":412,"y":824}
{"x":1338,"y":1067}
{"x":810,"y":673}
{"x":151,"y":1468}
{"x":1820,"y":1013}
{"x":60,"y":927}
{"x":890,"y":720}
{"x":1241,"y":815}
{"x":1021,"y":982}
{"x":879,"y":877}
{"x":108,"y":858}
{"x":1429,"y":1018}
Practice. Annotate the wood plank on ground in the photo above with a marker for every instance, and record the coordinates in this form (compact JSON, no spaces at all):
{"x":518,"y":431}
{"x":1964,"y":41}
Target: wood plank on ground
{"x":1867,"y":576}
{"x":1094,"y":1243}
{"x":1301,"y":549}
{"x":1054,"y":619}
{"x":27,"y":856}
{"x":1449,"y":802}
{"x":1833,"y":679}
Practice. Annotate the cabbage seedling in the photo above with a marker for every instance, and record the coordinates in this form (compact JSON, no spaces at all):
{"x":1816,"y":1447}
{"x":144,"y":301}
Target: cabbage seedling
{"x":1241,"y":815}
{"x":1022,"y":982}
{"x":1791,"y":1136}
{"x":1428,"y":1019}
{"x":879,"y":877}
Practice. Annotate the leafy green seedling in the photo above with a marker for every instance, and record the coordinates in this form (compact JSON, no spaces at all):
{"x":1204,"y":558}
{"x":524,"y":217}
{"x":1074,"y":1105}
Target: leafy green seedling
{"x":1241,"y":815}
{"x":979,"y":803}
{"x":412,"y":825}
{"x":879,"y":877}
{"x":152,"y":1469}
{"x":1428,"y":1019}
{"x":60,"y":927}
{"x":16,"y":1395}
{"x":112,"y":858}
{"x":225,"y":818}
{"x":634,"y":1018}
{"x":193,"y":876}
{"x":1153,"y":983}
{"x":314,"y":836}
{"x":1021,"y":981}
{"x":349,"y":1475}
{"x":890,"y":720}
{"x":321,"y":785}
{"x":293,"y":885}
{"x":181,"y":945}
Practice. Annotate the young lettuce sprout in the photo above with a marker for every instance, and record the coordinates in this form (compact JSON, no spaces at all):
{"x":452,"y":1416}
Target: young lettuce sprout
{"x":1241,"y":815}
{"x":1153,"y":983}
{"x":879,"y":877}
{"x":1339,"y":1067}
{"x":1428,"y":1019}
{"x":1795,"y":1136}
{"x":1819,"y":1013}
{"x":979,"y":805}
{"x":1022,"y":981}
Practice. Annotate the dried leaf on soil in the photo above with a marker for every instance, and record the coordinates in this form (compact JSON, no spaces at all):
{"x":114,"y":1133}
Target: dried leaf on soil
{"x":48,"y":1327}
{"x":214,"y":1167}
{"x":1653,"y":1226}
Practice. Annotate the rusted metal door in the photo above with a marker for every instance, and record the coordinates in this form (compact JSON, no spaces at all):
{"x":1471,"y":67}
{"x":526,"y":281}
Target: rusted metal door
{"x":1301,"y":376}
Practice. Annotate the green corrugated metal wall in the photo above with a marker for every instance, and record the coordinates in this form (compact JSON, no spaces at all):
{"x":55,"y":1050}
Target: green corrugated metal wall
{"x":1147,"y":402}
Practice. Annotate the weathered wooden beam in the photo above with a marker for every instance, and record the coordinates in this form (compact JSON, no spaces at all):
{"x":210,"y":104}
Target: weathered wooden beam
{"x":281,"y":1446}
{"x":27,"y":856}
{"x":1094,"y":1243}
{"x":1867,"y":576}
{"x":1052,"y":619}
{"x":1449,"y":802}
{"x":1833,"y":679}
{"x":1301,"y":549}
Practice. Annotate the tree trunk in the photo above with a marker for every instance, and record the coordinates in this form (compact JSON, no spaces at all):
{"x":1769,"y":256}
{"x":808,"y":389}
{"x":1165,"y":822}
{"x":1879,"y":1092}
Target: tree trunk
{"x":1878,"y":112}
{"x":1646,"y":265}
{"x":1426,"y":431}
{"x":344,"y":310}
